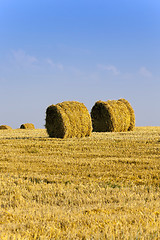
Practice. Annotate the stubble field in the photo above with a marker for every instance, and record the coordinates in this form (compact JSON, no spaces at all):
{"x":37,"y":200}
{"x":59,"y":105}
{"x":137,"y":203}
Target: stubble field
{"x":106,"y":186}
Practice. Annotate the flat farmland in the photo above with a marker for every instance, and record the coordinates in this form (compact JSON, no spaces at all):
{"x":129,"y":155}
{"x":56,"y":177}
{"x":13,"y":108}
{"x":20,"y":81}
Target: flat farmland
{"x":106,"y":186}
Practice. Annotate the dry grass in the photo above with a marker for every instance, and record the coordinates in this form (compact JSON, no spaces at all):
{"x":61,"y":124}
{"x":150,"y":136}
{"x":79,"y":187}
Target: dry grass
{"x":106,"y":186}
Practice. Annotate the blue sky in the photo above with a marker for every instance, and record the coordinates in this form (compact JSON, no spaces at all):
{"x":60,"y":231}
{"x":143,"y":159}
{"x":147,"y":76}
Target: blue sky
{"x":59,"y":50}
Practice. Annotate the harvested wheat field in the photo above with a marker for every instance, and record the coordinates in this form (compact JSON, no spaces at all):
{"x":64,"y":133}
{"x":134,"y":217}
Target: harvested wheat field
{"x":106,"y":186}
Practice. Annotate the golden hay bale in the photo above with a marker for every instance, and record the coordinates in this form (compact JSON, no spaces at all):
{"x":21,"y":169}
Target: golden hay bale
{"x":68,"y":119}
{"x":112,"y":116}
{"x":5,"y":127}
{"x":132,"y":114}
{"x":27,"y":126}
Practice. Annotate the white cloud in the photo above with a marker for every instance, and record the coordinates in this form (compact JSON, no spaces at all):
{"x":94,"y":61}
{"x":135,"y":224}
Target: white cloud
{"x":21,"y":58}
{"x":54,"y":65}
{"x":111,"y":68}
{"x":145,"y":72}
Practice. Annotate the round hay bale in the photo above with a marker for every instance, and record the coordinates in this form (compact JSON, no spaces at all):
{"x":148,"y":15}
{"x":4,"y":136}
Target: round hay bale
{"x":68,"y":119}
{"x":5,"y":127}
{"x":132,"y":114}
{"x":27,"y":126}
{"x":111,"y":116}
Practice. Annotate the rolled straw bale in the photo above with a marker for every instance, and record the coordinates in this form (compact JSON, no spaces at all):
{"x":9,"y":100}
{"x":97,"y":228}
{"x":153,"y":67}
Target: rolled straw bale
{"x":111,"y":116}
{"x":68,"y":119}
{"x":27,"y":126}
{"x":5,"y":127}
{"x":132,"y":114}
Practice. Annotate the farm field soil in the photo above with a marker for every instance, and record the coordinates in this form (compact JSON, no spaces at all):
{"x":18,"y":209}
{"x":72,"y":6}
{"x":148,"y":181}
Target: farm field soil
{"x":106,"y":186}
